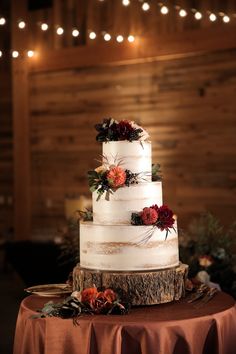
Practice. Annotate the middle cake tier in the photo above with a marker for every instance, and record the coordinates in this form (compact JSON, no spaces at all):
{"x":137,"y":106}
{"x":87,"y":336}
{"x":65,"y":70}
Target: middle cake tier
{"x":124,"y":201}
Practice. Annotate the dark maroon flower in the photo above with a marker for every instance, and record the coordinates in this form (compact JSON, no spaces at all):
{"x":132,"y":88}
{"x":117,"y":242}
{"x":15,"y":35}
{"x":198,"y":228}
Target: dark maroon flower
{"x":124,"y":129}
{"x":165,"y":218}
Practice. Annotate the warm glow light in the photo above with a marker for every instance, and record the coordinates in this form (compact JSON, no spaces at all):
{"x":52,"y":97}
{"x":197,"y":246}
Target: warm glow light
{"x":198,"y":15}
{"x":131,"y":38}
{"x":164,"y":10}
{"x":125,"y":2}
{"x":60,"y":31}
{"x":75,"y":32}
{"x":2,"y":21}
{"x":119,"y":38}
{"x":21,"y":24}
{"x":212,"y":17}
{"x":0,"y":53}
{"x":92,"y":35}
{"x":44,"y":26}
{"x":182,"y":13}
{"x":107,"y":37}
{"x":15,"y":54}
{"x":30,"y":53}
{"x":145,"y":6}
{"x":226,"y":19}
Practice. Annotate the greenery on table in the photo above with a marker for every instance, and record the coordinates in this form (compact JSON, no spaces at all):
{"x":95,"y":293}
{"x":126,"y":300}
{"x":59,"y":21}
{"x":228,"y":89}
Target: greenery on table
{"x":205,"y":236}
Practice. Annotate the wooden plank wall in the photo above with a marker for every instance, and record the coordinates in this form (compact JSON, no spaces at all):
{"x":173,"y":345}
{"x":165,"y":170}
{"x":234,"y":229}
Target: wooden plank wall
{"x":187,"y":105}
{"x":6,"y":134}
{"x":112,"y":17}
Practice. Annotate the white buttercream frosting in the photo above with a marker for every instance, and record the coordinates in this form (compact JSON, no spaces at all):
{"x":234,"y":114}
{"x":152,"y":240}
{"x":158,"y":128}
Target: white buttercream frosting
{"x":120,"y":247}
{"x":124,"y":201}
{"x":135,"y":156}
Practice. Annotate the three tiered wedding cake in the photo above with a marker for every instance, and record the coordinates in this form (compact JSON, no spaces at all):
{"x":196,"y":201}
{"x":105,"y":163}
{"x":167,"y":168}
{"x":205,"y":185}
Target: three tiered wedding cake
{"x":132,"y":241}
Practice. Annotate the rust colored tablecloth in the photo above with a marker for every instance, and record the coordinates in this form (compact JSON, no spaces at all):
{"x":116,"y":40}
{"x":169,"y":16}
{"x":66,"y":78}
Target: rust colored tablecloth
{"x":174,"y":328}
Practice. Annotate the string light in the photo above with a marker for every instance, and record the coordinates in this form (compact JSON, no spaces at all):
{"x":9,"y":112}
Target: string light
{"x":60,"y":31}
{"x":2,"y":21}
{"x":15,"y":54}
{"x":212,"y":17}
{"x":119,"y":38}
{"x":164,"y":10}
{"x":145,"y":6}
{"x":198,"y":15}
{"x":125,"y":2}
{"x":75,"y":32}
{"x":182,"y":13}
{"x":107,"y":37}
{"x":92,"y":35}
{"x":30,"y":53}
{"x":131,"y":38}
{"x":0,"y":53}
{"x":21,"y":24}
{"x":44,"y":26}
{"x":226,"y":19}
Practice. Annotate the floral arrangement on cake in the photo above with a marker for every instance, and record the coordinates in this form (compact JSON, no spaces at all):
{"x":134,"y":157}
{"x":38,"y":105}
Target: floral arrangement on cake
{"x":161,"y":217}
{"x":108,"y":178}
{"x":112,"y":130}
{"x":88,"y":301}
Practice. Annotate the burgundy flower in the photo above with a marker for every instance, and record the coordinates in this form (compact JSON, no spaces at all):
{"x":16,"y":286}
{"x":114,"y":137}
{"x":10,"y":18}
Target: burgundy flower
{"x":165,"y":218}
{"x":149,"y":216}
{"x":124,"y":129}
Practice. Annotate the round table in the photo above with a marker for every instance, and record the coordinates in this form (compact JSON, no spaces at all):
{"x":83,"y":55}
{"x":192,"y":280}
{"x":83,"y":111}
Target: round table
{"x":173,"y":328}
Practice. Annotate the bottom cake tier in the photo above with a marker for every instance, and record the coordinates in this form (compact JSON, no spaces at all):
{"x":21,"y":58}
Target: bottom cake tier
{"x":143,"y":288}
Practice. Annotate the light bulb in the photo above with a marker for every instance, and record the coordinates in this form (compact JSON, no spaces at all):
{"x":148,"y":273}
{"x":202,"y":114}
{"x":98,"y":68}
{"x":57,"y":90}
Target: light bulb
{"x":198,"y":15}
{"x":2,"y":21}
{"x":212,"y":17}
{"x":60,"y":31}
{"x":0,"y":53}
{"x":107,"y":37}
{"x":30,"y":53}
{"x":15,"y":54}
{"x":44,"y":26}
{"x":125,"y":2}
{"x":21,"y":24}
{"x":226,"y":19}
{"x":119,"y":38}
{"x":92,"y":35}
{"x":75,"y":32}
{"x":131,"y":38}
{"x":182,"y":13}
{"x":164,"y":10}
{"x":145,"y":6}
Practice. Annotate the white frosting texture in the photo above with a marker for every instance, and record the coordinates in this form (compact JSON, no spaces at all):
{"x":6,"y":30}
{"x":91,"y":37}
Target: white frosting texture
{"x":120,"y":247}
{"x":135,"y":156}
{"x":124,"y":201}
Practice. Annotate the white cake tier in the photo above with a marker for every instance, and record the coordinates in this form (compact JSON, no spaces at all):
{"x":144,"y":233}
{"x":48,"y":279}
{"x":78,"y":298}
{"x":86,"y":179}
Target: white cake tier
{"x":124,"y":201}
{"x":120,"y":247}
{"x":135,"y":156}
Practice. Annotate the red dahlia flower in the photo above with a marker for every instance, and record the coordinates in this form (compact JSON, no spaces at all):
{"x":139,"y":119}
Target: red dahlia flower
{"x":165,"y":218}
{"x":149,"y":216}
{"x":89,"y":295}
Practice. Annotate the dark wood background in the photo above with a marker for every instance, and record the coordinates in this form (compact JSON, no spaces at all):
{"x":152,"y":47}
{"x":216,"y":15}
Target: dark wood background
{"x":180,"y":85}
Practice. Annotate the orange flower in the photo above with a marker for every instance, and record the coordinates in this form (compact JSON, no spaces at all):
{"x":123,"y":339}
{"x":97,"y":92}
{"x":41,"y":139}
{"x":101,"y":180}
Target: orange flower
{"x":89,"y":295}
{"x":116,"y":177}
{"x":109,"y":295}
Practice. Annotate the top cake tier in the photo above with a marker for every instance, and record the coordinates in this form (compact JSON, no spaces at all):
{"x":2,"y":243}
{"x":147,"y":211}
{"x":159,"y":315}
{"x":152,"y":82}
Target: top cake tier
{"x":135,"y":156}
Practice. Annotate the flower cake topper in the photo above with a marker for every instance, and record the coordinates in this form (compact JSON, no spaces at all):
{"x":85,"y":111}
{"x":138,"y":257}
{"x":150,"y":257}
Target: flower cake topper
{"x":161,"y":217}
{"x":112,"y":130}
